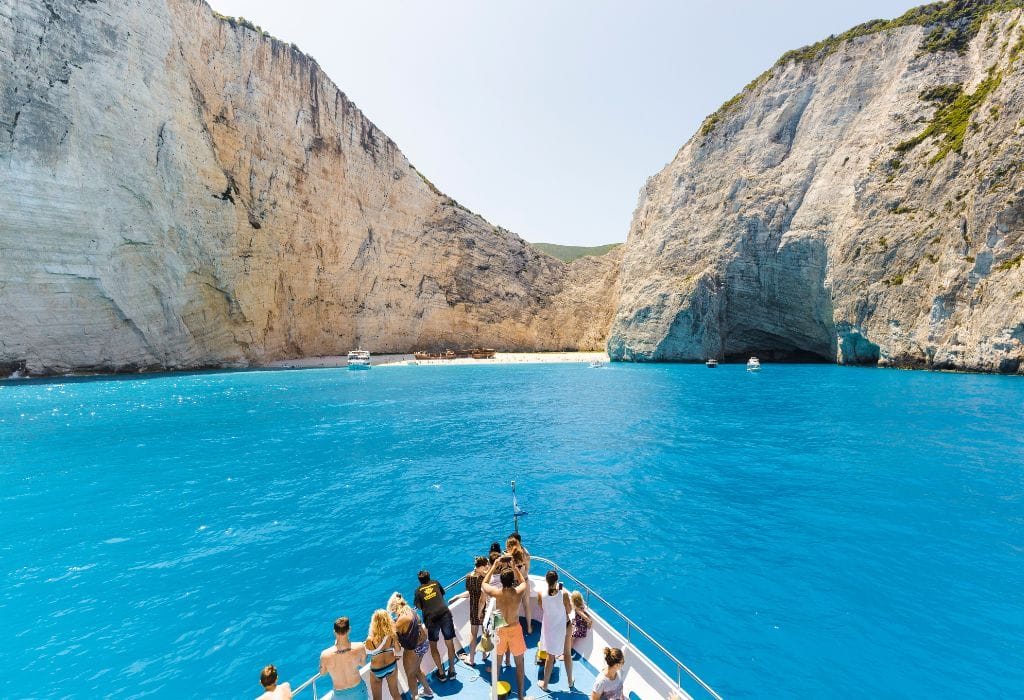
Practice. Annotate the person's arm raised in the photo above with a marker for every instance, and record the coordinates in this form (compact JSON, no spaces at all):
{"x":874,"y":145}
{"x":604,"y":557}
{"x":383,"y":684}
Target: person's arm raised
{"x":486,"y":586}
{"x":521,"y":584}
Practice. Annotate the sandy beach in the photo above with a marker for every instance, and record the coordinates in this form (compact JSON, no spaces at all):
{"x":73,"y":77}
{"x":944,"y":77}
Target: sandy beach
{"x":501,"y":358}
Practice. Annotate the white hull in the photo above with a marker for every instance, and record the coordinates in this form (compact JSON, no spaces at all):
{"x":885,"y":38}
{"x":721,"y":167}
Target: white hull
{"x":359,"y":359}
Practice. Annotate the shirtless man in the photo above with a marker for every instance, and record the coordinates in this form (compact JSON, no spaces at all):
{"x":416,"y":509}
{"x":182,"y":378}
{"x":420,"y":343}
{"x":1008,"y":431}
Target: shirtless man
{"x":343,"y":661}
{"x":508,"y":598}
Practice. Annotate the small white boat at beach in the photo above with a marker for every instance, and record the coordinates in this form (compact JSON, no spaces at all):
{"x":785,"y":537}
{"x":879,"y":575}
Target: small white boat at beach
{"x":359,"y":359}
{"x":753,"y":365}
{"x":597,"y":364}
{"x":711,"y":363}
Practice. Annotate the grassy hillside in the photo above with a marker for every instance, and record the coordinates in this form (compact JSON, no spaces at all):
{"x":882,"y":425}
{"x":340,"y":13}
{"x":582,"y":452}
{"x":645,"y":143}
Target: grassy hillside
{"x":568,"y":253}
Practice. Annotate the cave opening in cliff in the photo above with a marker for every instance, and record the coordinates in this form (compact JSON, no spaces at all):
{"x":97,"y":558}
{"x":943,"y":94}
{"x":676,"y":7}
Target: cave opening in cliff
{"x":771,"y":347}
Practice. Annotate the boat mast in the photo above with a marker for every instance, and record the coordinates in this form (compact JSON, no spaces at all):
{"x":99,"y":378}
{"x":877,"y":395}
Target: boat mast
{"x":515,"y":509}
{"x":517,"y":512}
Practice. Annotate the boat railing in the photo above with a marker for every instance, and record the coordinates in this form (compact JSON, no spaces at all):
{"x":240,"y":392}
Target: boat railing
{"x":631,"y":628}
{"x":589,"y":593}
{"x":310,"y":683}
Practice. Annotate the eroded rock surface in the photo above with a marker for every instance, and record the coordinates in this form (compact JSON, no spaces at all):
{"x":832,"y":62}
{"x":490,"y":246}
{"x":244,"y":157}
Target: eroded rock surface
{"x":180,"y":191}
{"x":803,"y":221}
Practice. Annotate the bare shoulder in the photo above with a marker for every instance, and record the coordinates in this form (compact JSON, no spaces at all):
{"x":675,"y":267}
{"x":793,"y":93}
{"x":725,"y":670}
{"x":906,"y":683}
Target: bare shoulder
{"x":329,"y":651}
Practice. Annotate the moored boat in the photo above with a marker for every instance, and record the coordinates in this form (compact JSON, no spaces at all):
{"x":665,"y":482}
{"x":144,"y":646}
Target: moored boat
{"x":359,"y":359}
{"x":711,"y":362}
{"x":475,"y":353}
{"x":753,"y":365}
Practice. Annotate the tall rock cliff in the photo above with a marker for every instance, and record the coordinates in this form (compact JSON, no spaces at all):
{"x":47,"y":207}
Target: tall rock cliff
{"x":861,"y":202}
{"x":178,"y":190}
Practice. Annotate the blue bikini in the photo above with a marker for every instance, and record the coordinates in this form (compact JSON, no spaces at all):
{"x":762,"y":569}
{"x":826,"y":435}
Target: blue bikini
{"x":384,"y":671}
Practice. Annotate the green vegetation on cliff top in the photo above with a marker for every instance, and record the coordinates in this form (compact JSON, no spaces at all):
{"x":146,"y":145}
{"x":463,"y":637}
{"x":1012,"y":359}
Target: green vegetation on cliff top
{"x":950,"y":26}
{"x":568,"y":253}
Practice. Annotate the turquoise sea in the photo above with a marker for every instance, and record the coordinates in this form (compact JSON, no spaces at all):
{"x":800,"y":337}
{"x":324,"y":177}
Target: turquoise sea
{"x":809,"y":532}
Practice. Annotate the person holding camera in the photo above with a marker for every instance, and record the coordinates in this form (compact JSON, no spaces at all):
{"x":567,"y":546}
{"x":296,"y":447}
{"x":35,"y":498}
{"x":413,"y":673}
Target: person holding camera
{"x":508,"y":598}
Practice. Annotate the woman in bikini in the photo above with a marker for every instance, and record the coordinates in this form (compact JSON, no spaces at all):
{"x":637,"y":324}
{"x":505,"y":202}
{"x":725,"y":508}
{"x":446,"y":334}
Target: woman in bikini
{"x":380,"y":648}
{"x":412,"y":636}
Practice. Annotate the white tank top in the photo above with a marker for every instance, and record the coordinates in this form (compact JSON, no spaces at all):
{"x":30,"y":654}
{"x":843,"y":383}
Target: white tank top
{"x":554,"y":608}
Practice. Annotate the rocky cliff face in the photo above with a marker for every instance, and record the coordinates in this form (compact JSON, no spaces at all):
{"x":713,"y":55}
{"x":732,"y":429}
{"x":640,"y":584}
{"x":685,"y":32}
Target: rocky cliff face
{"x":862,"y":202}
{"x":182,"y":191}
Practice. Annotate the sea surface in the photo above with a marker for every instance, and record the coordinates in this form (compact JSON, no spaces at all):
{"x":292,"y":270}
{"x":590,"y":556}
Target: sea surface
{"x":807,"y":532}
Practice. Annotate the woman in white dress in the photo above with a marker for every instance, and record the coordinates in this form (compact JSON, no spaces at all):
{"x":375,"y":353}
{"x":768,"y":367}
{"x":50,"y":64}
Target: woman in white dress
{"x":555,"y":607}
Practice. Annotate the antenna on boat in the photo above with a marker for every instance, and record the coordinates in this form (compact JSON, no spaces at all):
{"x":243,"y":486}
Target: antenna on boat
{"x":517,"y":512}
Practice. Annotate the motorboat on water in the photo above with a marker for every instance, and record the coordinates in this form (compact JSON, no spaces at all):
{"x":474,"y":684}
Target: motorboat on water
{"x":753,"y":365}
{"x":597,"y":364}
{"x":359,"y":359}
{"x":711,"y":363}
{"x":644,"y":678}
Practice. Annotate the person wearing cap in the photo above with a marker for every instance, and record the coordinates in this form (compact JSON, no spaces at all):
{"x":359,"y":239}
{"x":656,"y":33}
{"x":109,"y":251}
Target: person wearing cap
{"x":342,"y":661}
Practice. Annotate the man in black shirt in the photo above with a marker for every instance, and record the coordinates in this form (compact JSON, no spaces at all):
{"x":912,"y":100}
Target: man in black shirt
{"x":438,"y":619}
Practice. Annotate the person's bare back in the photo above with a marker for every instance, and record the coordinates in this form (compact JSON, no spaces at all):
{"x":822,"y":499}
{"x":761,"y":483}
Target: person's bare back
{"x":508,"y":601}
{"x":343,"y":660}
{"x":506,"y":598}
{"x":343,"y":664}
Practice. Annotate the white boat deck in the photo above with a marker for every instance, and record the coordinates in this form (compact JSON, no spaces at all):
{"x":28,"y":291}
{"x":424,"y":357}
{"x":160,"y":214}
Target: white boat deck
{"x":643,"y":679}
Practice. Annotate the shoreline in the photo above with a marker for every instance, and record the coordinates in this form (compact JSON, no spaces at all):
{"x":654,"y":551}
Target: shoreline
{"x":407,"y":359}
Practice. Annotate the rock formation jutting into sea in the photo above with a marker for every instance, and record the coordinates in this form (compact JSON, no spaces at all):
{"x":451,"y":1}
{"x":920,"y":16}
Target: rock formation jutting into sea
{"x":861,"y":202}
{"x":182,"y":190}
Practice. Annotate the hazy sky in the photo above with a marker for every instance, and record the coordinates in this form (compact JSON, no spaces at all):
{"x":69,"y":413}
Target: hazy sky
{"x":547,"y":116}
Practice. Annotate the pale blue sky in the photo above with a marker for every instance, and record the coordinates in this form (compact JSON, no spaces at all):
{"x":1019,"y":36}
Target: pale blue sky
{"x":546,"y":117}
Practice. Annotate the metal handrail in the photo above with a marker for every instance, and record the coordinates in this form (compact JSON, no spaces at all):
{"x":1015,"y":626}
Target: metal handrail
{"x":630,"y":625}
{"x":310,"y":681}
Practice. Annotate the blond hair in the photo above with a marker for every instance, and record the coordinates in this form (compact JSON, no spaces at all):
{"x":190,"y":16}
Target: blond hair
{"x":397,"y":604}
{"x":513,"y":547}
{"x":577,"y":600}
{"x":381,"y":627}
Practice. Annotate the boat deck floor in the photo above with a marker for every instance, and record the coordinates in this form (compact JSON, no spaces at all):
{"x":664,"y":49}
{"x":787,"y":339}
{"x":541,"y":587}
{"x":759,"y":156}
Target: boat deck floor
{"x":474,"y":682}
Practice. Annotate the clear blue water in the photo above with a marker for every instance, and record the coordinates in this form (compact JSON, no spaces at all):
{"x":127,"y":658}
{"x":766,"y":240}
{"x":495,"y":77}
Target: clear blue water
{"x":812,"y":531}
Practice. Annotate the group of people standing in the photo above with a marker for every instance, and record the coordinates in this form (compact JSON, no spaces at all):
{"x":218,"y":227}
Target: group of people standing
{"x":397,"y":632}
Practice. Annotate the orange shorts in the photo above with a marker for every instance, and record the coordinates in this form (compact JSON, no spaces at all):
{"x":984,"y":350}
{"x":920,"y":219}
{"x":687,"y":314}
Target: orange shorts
{"x":510,"y":638}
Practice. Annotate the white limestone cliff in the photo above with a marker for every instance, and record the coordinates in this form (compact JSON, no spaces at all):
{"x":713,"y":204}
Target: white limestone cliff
{"x":816,"y":217}
{"x":180,"y":191}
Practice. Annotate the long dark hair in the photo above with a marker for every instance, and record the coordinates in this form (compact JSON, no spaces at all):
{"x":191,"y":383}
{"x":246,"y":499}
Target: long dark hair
{"x":552,"y":578}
